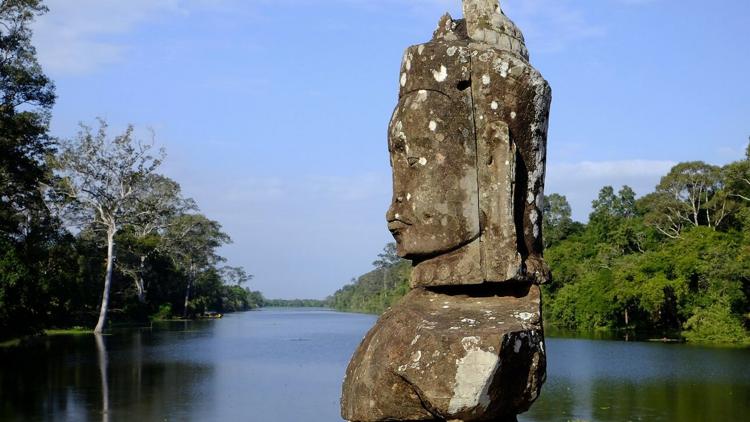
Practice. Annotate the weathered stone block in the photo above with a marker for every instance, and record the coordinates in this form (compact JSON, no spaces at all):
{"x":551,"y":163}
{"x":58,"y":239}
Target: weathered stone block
{"x":437,"y":355}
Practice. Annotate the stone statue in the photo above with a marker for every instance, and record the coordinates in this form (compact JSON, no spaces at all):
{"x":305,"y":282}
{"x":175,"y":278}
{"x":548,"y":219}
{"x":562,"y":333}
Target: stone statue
{"x":467,"y":145}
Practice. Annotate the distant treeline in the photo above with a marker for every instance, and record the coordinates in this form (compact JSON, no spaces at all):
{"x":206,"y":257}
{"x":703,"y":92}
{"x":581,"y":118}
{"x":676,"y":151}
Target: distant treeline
{"x":295,"y":303}
{"x":675,"y":261}
{"x":89,"y":230}
{"x":378,"y":289}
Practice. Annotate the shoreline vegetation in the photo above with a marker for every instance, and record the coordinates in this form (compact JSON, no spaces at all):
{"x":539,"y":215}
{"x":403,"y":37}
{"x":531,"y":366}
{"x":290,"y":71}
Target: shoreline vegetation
{"x":91,"y":234}
{"x":673,"y":265}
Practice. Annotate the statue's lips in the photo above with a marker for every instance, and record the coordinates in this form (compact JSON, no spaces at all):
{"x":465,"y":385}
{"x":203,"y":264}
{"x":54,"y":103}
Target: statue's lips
{"x":396,"y":226}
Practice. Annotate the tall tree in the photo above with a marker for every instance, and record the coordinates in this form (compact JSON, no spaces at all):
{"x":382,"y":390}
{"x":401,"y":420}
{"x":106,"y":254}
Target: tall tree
{"x":27,"y":233}
{"x":191,"y":242}
{"x":692,"y":194}
{"x":557,"y":222}
{"x":388,"y":257}
{"x":386,"y":260}
{"x":100,"y":182}
{"x":235,"y":275}
{"x":738,"y":177}
{"x":158,"y":200}
{"x":26,"y":98}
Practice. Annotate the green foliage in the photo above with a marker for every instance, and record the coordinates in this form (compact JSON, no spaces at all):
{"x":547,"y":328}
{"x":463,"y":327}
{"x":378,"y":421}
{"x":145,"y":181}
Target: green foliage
{"x":26,"y":98}
{"x":716,"y":324}
{"x":164,"y":312}
{"x":628,"y":269}
{"x":52,"y":278}
{"x":557,"y":223}
{"x":377,"y":290}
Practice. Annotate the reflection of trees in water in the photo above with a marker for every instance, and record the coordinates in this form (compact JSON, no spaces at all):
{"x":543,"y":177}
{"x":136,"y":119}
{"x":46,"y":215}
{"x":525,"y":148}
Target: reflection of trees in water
{"x":617,"y":400}
{"x":102,"y":355}
{"x":97,"y":378}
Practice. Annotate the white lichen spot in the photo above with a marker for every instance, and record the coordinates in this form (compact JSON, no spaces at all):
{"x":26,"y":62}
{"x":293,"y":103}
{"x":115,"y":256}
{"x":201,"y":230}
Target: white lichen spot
{"x":446,"y":307}
{"x":440,"y":75}
{"x":512,"y":114}
{"x":533,"y":216}
{"x":517,"y":346}
{"x":526,"y":316}
{"x":416,"y":356}
{"x":433,"y":125}
{"x":421,"y":95}
{"x":413,"y":342}
{"x":451,"y":50}
{"x":408,"y":197}
{"x":503,"y":69}
{"x":494,"y":105}
{"x":420,"y":49}
{"x":486,"y":79}
{"x":408,"y":64}
{"x":403,"y":79}
{"x":422,"y":161}
{"x":474,"y":375}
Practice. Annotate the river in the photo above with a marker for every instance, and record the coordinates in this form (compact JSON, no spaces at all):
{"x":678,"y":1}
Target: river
{"x":286,"y":365}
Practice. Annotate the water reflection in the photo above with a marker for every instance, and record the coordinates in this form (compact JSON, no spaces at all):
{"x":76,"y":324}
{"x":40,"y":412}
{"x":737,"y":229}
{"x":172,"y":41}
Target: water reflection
{"x":102,"y":352}
{"x":115,"y":377}
{"x":287,"y":366}
{"x":616,"y":381}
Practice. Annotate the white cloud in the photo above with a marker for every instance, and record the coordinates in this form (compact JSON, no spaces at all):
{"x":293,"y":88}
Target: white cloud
{"x":551,"y":25}
{"x":76,"y":36}
{"x":580,"y":182}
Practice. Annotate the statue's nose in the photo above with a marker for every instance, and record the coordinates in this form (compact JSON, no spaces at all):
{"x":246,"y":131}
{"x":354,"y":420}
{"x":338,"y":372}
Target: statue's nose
{"x":395,"y":208}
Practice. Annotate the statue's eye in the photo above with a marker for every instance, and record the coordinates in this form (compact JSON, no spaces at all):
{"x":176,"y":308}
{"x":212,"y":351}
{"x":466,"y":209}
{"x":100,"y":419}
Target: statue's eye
{"x":398,"y":145}
{"x":412,"y":161}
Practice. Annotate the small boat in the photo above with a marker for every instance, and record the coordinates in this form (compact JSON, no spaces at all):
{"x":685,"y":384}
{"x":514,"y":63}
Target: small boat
{"x":212,"y":315}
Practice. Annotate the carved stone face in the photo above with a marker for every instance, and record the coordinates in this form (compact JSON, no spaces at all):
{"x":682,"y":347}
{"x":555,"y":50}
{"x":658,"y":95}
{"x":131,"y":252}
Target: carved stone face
{"x":433,"y":156}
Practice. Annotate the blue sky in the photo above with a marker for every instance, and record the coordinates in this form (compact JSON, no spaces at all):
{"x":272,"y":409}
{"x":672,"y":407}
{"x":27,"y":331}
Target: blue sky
{"x":274,"y":112}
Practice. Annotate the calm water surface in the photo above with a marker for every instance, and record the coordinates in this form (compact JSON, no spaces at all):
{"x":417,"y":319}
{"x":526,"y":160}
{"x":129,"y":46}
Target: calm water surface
{"x":287,"y":365}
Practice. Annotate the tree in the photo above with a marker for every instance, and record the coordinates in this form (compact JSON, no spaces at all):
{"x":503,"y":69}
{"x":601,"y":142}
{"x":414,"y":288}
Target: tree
{"x":737,"y":176}
{"x":692,"y":194}
{"x":158,"y":201}
{"x":386,"y":260}
{"x":100,"y":182}
{"x":557,"y":222}
{"x":26,"y":98}
{"x":191,"y":242}
{"x":235,"y":275}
